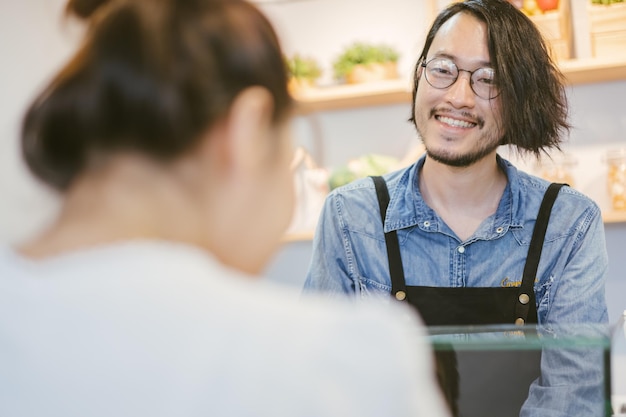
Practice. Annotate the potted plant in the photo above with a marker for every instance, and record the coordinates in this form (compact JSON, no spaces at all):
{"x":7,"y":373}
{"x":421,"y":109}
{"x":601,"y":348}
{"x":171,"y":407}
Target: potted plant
{"x":363,"y":62}
{"x":303,"y":72}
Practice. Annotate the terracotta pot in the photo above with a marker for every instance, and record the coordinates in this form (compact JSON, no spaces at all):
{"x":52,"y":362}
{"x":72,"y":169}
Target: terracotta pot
{"x":546,"y":5}
{"x":297,"y":85}
{"x":372,"y":72}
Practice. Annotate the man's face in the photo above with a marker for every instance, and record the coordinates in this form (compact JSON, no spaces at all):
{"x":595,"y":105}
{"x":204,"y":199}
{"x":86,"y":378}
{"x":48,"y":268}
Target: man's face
{"x":458,"y":127}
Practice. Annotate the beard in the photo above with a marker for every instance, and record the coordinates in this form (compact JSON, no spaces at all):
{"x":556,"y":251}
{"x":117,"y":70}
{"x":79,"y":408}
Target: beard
{"x":461,"y":160}
{"x":488,"y":142}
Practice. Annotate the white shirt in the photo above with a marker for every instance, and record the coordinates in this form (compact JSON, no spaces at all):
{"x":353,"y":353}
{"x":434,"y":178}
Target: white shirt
{"x":158,"y":329}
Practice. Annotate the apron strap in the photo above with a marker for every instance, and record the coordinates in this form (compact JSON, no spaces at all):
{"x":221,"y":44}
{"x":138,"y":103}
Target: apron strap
{"x":396,"y":271}
{"x":526,"y":294}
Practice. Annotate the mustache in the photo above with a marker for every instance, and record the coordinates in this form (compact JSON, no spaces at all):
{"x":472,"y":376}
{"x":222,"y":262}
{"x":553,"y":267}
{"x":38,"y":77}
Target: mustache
{"x":463,"y":114}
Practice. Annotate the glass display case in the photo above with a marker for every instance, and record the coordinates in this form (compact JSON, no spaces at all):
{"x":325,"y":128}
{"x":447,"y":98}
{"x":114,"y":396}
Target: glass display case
{"x":511,"y":371}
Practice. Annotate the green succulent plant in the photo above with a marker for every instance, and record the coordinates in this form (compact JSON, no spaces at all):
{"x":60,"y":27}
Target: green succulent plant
{"x":360,"y":53}
{"x":303,"y":68}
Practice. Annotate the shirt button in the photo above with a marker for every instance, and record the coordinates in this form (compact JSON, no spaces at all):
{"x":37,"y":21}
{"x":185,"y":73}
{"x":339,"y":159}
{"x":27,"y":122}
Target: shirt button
{"x":426,"y":224}
{"x":519,"y":321}
{"x":500,"y":230}
{"x":461,"y":249}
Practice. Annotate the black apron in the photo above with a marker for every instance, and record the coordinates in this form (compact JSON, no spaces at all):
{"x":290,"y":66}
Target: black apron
{"x":443,"y":306}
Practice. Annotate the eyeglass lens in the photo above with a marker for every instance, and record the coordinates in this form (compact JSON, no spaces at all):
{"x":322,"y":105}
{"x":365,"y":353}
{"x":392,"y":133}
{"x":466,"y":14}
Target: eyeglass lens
{"x":442,"y":73}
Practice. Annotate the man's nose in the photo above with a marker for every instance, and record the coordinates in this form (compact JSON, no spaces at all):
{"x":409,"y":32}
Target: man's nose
{"x":460,"y":94}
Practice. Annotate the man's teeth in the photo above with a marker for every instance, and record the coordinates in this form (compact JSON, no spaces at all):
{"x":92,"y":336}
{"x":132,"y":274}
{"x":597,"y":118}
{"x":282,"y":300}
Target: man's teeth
{"x":455,"y":122}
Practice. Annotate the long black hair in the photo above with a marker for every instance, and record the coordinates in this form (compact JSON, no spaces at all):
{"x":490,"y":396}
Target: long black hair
{"x":533,"y":100}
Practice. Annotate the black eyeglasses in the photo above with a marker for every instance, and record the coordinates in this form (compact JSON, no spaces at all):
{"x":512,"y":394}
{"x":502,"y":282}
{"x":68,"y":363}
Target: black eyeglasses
{"x":442,"y":73}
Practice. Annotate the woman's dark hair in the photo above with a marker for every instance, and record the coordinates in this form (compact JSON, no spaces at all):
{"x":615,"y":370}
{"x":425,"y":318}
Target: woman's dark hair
{"x":532,"y":93}
{"x":151,"y":76}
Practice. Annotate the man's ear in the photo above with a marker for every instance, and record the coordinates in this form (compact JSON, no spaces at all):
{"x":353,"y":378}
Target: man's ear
{"x":420,"y":70}
{"x":248,"y":128}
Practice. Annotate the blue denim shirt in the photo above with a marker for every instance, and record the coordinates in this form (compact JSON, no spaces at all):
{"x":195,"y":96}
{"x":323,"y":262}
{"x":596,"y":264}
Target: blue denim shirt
{"x":350,"y":258}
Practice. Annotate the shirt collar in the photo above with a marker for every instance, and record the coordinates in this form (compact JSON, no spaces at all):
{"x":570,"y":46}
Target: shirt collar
{"x":407,"y":207}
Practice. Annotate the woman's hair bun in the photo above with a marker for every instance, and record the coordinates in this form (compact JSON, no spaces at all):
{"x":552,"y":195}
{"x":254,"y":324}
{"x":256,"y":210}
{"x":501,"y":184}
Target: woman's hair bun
{"x":83,"y":9}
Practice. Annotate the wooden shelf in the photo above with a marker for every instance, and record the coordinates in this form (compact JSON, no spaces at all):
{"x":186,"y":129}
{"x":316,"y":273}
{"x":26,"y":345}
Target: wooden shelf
{"x":609,"y":217}
{"x":354,"y":95}
{"x":593,"y":70}
{"x":576,"y":71}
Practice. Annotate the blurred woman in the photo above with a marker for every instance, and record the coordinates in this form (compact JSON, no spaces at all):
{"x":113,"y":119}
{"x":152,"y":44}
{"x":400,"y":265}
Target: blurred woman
{"x":167,"y":135}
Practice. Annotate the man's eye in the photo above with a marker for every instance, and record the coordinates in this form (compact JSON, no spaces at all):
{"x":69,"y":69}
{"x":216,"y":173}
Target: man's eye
{"x":442,"y":71}
{"x":486,"y":81}
{"x":484,"y":76}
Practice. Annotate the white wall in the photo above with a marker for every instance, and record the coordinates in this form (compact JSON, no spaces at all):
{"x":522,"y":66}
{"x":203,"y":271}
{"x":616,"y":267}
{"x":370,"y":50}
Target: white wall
{"x":33,"y":43}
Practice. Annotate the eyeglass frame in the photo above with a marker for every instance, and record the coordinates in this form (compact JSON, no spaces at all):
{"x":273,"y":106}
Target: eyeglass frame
{"x":425,"y":63}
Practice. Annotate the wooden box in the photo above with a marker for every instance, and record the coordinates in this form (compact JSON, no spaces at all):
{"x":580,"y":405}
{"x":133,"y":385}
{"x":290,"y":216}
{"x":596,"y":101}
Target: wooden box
{"x":556,"y":28}
{"x":608,"y":30}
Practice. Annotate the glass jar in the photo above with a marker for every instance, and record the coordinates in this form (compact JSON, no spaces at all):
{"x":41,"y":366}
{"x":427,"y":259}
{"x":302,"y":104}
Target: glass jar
{"x":557,"y":168}
{"x":616,"y":177}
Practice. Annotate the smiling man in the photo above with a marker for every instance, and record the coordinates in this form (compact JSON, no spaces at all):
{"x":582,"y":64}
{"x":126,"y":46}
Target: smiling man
{"x":464,"y":236}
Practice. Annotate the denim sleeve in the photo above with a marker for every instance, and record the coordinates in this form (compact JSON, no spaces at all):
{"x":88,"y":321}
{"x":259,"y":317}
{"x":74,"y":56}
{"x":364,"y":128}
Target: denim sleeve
{"x":572,"y":379}
{"x":330,"y":268}
{"x":578,"y":296}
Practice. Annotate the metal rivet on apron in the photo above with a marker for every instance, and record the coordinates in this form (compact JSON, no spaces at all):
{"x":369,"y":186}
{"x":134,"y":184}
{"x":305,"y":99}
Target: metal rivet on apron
{"x":500,"y":230}
{"x":400,"y":295}
{"x":524,"y":298}
{"x":461,"y":249}
{"x":426,"y":224}
{"x":519,"y":321}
